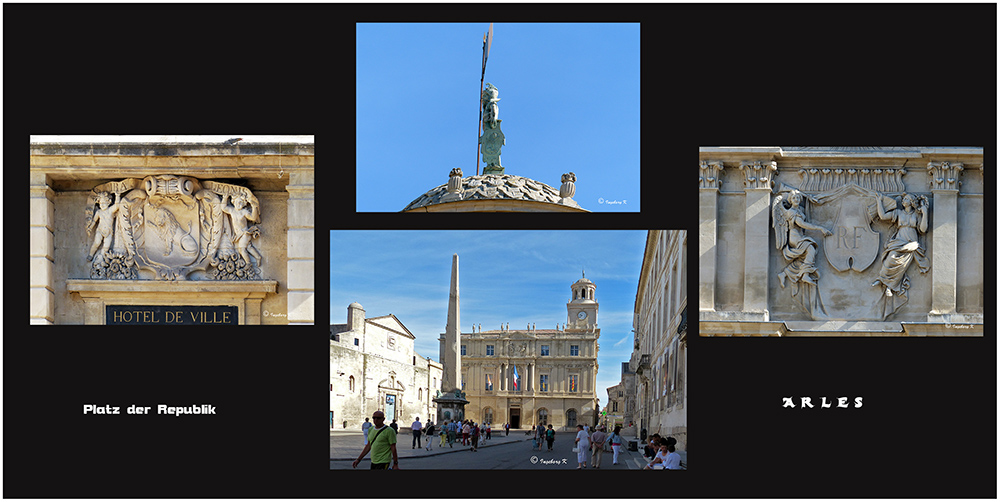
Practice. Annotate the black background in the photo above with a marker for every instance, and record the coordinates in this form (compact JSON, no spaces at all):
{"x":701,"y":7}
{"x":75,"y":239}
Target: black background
{"x":715,"y":74}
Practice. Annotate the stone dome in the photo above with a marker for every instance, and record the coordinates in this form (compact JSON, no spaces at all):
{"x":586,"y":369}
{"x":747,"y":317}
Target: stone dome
{"x":494,"y":192}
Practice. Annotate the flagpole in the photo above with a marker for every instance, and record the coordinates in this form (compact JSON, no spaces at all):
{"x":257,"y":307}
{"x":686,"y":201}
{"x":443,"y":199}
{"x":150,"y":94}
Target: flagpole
{"x":480,"y":127}
{"x":487,"y":42}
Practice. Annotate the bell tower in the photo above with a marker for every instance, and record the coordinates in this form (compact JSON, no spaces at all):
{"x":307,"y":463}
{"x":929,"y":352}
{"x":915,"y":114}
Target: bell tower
{"x":581,"y":311}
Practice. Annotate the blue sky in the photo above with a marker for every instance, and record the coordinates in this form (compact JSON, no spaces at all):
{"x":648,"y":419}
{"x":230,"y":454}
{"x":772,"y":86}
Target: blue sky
{"x":569,"y":101}
{"x":505,"y":276}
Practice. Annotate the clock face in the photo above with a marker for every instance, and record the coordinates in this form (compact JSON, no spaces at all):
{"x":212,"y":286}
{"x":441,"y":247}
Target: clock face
{"x":581,"y":314}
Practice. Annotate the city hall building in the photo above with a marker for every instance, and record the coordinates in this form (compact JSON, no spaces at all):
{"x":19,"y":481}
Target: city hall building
{"x":533,"y":376}
{"x":171,"y":230}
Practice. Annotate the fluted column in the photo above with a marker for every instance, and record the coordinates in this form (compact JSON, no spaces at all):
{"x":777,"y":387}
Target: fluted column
{"x":757,"y":186}
{"x":708,"y":230}
{"x":944,"y":184}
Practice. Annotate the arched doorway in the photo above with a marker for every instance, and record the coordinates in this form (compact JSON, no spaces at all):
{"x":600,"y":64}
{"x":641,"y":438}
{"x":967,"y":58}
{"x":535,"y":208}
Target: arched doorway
{"x":570,"y":418}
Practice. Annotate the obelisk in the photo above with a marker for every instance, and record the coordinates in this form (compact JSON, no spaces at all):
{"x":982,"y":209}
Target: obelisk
{"x":451,"y":402}
{"x":452,"y":357}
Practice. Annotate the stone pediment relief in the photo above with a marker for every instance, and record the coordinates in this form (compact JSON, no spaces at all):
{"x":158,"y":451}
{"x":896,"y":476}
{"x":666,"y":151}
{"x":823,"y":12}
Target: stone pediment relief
{"x":864,"y":268}
{"x":173,"y":226}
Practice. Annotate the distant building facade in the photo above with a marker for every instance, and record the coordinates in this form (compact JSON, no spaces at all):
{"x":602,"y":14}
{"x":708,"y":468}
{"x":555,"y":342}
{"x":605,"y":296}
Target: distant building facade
{"x":621,"y":402}
{"x":659,"y":357}
{"x":535,"y":376}
{"x":373,"y":366}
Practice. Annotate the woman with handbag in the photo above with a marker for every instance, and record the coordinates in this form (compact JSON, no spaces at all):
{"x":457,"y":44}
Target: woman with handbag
{"x":582,"y":447}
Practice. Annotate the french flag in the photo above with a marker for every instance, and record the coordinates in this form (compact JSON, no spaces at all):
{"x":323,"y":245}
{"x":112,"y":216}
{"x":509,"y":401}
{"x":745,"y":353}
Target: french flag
{"x":516,"y":378}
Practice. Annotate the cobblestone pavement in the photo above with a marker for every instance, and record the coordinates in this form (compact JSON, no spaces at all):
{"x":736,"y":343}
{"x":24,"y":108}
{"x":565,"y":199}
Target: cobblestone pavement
{"x":345,"y":445}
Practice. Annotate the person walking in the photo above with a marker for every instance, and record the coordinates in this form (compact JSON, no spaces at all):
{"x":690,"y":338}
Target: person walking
{"x":541,"y":436}
{"x":395,"y":426}
{"x":364,"y":429}
{"x":382,"y":445}
{"x":597,"y":440}
{"x":474,"y":432}
{"x":444,"y":433}
{"x":506,"y":428}
{"x":430,"y":436}
{"x":465,"y":433}
{"x":582,"y":446}
{"x":616,"y":443}
{"x":550,"y":436}
{"x":416,"y":427}
{"x":452,"y":432}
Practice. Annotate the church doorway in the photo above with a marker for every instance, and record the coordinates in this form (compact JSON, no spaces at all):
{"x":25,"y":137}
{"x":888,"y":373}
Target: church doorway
{"x":515,"y":418}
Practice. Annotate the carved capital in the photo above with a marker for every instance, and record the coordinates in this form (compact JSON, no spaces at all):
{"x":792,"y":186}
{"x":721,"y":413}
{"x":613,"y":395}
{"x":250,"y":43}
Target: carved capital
{"x":709,"y":174}
{"x":944,"y":175}
{"x":758,"y":174}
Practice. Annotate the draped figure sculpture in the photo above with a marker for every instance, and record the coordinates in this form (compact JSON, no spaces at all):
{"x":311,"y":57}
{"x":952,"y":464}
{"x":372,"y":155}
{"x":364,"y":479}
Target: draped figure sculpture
{"x":799,"y":250}
{"x":908,"y":219}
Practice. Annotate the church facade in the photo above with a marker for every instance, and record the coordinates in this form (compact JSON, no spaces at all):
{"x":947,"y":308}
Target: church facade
{"x":535,"y":376}
{"x":373,"y":366}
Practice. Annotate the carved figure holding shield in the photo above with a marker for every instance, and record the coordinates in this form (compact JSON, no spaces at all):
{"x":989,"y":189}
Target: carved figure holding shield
{"x":242,"y":232}
{"x":104,"y":219}
{"x":799,"y":249}
{"x":907,"y":222}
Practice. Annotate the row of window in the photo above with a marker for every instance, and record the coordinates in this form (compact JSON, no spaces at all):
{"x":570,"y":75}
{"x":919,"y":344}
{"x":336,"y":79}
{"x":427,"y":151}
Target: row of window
{"x":574,"y":350}
{"x":543,"y":383}
{"x":543,"y":416}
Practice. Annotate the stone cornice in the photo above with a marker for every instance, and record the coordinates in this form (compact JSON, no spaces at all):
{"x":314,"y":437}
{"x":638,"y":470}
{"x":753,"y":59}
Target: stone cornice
{"x":235,"y":289}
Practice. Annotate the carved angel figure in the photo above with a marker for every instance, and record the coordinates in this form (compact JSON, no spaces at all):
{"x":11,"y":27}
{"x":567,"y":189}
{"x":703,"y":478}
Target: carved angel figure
{"x":903,"y":247}
{"x":799,"y":249}
{"x":104,"y":220}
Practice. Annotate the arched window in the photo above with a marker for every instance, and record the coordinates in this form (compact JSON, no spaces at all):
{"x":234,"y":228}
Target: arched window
{"x":420,"y":394}
{"x":350,"y":383}
{"x":570,"y":418}
{"x":543,"y":416}
{"x":487,"y":415}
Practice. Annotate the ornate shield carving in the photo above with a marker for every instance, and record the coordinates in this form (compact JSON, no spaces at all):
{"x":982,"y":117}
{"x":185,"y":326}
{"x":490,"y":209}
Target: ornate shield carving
{"x":853,"y":245}
{"x":173,"y":226}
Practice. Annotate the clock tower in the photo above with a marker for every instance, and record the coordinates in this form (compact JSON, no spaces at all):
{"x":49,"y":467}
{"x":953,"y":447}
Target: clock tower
{"x":581,"y":310}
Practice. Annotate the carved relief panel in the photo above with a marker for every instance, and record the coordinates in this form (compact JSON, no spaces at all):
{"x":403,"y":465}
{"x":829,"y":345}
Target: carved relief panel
{"x":170,"y":227}
{"x":870,"y":238}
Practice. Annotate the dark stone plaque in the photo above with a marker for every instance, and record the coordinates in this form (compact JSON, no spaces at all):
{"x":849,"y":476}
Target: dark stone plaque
{"x":174,"y":315}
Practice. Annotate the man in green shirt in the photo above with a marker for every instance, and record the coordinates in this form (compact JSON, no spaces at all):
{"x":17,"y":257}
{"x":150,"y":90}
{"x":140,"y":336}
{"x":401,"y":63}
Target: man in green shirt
{"x":382,"y":444}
